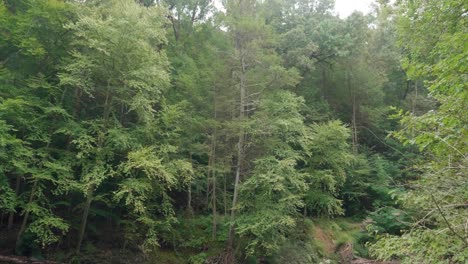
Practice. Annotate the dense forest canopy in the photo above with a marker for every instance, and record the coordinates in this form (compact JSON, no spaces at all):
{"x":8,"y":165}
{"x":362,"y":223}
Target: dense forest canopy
{"x":267,"y":131}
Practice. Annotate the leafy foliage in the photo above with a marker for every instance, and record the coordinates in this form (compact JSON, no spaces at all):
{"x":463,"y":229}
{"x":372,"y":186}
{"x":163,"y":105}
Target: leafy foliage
{"x":437,"y":200}
{"x":178,"y":129}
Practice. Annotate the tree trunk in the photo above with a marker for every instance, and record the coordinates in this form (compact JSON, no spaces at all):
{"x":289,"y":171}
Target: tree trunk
{"x":189,"y":196}
{"x":174,"y":28}
{"x":240,"y":152}
{"x":213,"y":170}
{"x":26,"y":215}
{"x":208,"y":181}
{"x":414,"y":104}
{"x":323,"y":84}
{"x":415,"y":98}
{"x":11,"y":217}
{"x":225,"y":197}
{"x":354,"y":126}
{"x":213,"y":199}
{"x":90,"y":192}
{"x":77,"y":108}
{"x":84,"y":218}
{"x":353,"y":116}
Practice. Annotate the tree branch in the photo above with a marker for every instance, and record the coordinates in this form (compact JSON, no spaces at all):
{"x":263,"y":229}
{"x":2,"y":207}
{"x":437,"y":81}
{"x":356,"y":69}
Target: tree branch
{"x":446,"y":221}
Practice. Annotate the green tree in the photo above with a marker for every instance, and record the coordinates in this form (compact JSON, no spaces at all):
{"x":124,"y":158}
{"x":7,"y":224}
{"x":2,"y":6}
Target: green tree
{"x":30,"y":98}
{"x":116,"y":79}
{"x":433,"y":35}
{"x":255,"y":69}
{"x":326,"y":168}
{"x":272,"y":195}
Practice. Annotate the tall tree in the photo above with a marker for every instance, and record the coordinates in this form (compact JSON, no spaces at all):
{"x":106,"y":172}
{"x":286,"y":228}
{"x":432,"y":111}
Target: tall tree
{"x":117,"y":75}
{"x":255,"y":69}
{"x":433,"y":35}
{"x":30,"y":98}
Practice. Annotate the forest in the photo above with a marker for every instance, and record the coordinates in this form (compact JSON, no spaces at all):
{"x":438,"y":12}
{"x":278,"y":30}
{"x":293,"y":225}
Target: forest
{"x":234,"y":131}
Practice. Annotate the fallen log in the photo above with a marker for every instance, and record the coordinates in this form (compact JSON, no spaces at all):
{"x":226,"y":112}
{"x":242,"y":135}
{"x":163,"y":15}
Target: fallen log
{"x":24,"y":260}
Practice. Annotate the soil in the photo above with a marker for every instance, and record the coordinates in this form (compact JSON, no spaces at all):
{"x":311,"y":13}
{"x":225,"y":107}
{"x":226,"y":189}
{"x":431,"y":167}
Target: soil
{"x":325,"y":239}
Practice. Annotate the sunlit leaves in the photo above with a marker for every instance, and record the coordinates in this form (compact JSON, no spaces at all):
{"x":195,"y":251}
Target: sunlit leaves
{"x":48,"y":229}
{"x":301,"y":167}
